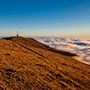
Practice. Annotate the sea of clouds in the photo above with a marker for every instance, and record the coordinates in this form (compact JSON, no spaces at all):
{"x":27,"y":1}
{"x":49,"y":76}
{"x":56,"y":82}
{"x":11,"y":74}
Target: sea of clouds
{"x":77,"y":45}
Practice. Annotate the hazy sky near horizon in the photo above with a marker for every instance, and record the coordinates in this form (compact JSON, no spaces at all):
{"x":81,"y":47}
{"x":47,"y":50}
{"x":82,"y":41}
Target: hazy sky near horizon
{"x":44,"y":17}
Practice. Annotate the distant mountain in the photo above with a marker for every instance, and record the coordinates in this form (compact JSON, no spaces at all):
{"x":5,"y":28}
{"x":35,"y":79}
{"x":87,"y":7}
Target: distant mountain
{"x":1,"y":37}
{"x":26,"y":64}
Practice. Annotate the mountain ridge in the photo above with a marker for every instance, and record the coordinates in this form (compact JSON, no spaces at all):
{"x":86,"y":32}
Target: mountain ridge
{"x":26,"y":67}
{"x":35,"y":43}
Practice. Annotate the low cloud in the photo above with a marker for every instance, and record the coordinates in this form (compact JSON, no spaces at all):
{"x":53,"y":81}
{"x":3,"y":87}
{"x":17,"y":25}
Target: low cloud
{"x":77,"y":45}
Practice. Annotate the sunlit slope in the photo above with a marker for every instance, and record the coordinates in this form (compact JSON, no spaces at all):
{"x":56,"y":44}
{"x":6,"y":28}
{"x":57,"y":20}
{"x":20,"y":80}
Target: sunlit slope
{"x":27,"y":67}
{"x":35,"y":43}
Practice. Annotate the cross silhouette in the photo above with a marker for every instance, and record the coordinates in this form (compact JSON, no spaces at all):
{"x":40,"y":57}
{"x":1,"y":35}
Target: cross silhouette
{"x":17,"y":34}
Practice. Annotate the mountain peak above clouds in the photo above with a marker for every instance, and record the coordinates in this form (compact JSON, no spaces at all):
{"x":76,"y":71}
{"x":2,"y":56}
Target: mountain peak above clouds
{"x":28,"y":64}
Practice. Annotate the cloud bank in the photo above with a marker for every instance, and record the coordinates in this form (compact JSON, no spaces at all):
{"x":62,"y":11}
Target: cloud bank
{"x":77,"y":45}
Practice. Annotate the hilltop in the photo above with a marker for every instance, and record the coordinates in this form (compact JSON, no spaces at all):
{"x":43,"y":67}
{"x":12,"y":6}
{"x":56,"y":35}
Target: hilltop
{"x":35,"y":43}
{"x":27,"y":64}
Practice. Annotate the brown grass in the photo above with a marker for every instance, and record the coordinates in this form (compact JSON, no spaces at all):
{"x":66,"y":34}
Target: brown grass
{"x":35,"y":43}
{"x":25,"y":66}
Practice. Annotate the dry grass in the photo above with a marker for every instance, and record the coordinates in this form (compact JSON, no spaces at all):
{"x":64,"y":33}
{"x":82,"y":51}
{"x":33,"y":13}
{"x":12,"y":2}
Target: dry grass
{"x":35,"y":43}
{"x":26,"y":66}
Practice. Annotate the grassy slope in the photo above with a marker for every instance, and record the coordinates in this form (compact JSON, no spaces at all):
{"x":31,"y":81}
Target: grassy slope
{"x":35,"y":43}
{"x":27,"y":67}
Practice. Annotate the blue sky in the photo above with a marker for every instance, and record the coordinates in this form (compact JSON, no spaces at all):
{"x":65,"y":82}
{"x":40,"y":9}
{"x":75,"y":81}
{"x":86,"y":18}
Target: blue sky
{"x":44,"y":17}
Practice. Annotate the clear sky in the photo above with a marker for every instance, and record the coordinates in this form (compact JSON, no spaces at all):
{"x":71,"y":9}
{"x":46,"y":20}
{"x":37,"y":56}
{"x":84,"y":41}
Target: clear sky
{"x":44,"y":17}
